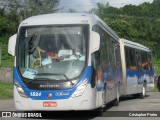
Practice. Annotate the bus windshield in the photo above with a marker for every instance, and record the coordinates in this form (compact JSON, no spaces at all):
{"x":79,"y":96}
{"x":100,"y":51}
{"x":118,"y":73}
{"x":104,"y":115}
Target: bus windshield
{"x":52,"y":52}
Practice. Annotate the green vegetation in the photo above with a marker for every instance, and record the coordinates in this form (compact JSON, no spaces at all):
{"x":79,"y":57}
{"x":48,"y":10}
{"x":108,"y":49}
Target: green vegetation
{"x":157,"y":66}
{"x":12,"y":12}
{"x":6,"y":90}
{"x":136,"y":23}
{"x":155,"y":89}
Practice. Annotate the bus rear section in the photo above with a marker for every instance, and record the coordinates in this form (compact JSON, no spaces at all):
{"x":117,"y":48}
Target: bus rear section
{"x":138,"y":72}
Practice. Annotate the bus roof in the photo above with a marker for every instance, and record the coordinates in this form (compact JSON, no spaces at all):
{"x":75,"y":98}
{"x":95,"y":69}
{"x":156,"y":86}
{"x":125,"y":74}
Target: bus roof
{"x":66,"y":18}
{"x":57,"y":18}
{"x":135,"y":45}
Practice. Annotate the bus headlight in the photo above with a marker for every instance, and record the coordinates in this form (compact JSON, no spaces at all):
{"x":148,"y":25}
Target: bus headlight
{"x":80,"y":89}
{"x":20,"y":89}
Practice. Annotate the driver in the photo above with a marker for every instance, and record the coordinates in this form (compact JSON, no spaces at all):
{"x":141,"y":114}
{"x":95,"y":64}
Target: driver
{"x":50,"y":51}
{"x":52,"y":54}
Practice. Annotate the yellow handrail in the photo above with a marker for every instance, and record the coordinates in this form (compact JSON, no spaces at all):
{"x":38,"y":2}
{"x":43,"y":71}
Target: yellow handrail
{"x":37,"y":59}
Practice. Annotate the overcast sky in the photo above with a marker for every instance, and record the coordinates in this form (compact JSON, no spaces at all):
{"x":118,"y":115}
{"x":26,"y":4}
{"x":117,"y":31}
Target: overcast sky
{"x":84,"y":5}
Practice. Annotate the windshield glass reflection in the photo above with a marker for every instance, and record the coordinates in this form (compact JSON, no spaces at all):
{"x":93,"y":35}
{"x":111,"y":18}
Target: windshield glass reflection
{"x":53,"y":52}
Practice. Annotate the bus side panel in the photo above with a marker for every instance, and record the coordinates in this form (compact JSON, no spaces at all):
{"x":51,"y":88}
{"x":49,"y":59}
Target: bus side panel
{"x":134,"y":84}
{"x":135,"y":80}
{"x":108,"y":78}
{"x":149,"y":77}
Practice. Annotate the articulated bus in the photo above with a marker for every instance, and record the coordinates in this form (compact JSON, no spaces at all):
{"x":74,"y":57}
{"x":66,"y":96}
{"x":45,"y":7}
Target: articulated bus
{"x":65,"y":62}
{"x":74,"y":61}
{"x":137,"y":68}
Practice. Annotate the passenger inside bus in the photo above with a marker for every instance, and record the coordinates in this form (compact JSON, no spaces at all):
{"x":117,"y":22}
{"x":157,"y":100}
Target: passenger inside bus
{"x":46,"y":51}
{"x":61,"y":48}
{"x":71,"y":48}
{"x":49,"y":50}
{"x":69,"y":54}
{"x":147,"y":65}
{"x":133,"y":67}
{"x":64,"y":51}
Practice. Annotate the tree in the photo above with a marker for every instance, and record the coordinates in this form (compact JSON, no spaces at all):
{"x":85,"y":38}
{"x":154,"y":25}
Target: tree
{"x":137,"y":23}
{"x":12,"y":12}
{"x":7,"y":28}
{"x":26,"y":8}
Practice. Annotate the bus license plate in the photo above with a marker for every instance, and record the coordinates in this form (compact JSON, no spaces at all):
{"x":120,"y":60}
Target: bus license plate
{"x":49,"y":104}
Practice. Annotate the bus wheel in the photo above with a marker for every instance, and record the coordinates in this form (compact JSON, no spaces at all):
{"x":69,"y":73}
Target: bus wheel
{"x":136,"y":95}
{"x":144,"y":90}
{"x":117,"y":96}
{"x":100,"y":111}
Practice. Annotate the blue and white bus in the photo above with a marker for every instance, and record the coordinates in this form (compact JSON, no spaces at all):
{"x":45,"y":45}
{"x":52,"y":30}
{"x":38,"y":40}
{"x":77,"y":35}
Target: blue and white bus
{"x":65,"y":62}
{"x":137,"y":68}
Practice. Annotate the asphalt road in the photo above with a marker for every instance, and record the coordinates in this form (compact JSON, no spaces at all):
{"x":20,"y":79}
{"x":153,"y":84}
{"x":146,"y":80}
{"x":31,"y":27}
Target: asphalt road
{"x":150,"y":103}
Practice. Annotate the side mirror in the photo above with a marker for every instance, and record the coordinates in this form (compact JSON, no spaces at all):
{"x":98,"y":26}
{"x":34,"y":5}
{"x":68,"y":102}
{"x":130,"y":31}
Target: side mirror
{"x":12,"y":44}
{"x":95,"y":42}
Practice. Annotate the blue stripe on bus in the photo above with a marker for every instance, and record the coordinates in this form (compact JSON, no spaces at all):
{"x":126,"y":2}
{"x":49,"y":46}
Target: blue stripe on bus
{"x":138,"y":73}
{"x":56,"y":94}
{"x":109,"y":76}
{"x":141,"y":75}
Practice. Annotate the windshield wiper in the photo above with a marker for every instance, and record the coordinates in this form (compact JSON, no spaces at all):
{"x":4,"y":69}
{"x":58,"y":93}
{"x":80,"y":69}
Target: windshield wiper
{"x":68,"y":79}
{"x":56,"y":74}
{"x":45,"y":79}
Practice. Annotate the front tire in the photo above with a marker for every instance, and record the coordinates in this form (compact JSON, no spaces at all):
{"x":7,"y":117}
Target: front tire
{"x":100,"y":111}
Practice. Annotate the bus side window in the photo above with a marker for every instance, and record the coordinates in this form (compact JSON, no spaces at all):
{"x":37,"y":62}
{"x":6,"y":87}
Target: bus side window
{"x":127,"y":57}
{"x":132,"y":58}
{"x":111,"y":49}
{"x":117,"y":54}
{"x":139,"y":61}
{"x":144,"y":61}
